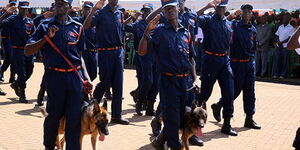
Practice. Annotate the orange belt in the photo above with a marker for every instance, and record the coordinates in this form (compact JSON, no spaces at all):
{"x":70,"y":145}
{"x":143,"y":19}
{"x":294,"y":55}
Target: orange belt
{"x":240,"y":60}
{"x":64,"y":70}
{"x":109,"y":49}
{"x":18,"y":47}
{"x":211,"y":53}
{"x":177,"y":75}
{"x":92,"y":50}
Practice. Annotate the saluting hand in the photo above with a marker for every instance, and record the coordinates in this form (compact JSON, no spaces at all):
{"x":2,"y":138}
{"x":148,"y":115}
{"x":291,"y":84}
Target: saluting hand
{"x":136,"y":15}
{"x":52,"y":30}
{"x":213,"y":3}
{"x":153,"y":24}
{"x":11,"y":10}
{"x":99,"y":4}
{"x":48,"y":14}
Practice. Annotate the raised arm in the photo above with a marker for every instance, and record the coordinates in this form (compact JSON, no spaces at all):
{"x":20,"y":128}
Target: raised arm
{"x":143,"y":47}
{"x":211,"y":4}
{"x":88,"y":20}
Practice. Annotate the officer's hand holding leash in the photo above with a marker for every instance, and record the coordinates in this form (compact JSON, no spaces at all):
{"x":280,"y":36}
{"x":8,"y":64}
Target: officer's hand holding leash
{"x":52,"y":30}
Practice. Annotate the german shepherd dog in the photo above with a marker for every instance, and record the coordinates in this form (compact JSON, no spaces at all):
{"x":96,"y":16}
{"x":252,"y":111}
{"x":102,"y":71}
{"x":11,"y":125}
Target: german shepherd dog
{"x":193,"y":121}
{"x":94,"y":121}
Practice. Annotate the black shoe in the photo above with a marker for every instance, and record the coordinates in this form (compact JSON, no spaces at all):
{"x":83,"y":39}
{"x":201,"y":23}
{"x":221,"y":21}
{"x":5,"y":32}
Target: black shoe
{"x":250,"y":123}
{"x":150,"y":110}
{"x":16,"y":88}
{"x":194,"y":140}
{"x":1,"y":76}
{"x":216,"y":108}
{"x":122,"y":121}
{"x":12,"y":80}
{"x":226,"y":129}
{"x":22,"y":96}
{"x":40,"y":97}
{"x":138,"y":108}
{"x":134,"y":95}
{"x":108,"y":94}
{"x":2,"y":93}
{"x":156,"y":126}
{"x":158,"y":142}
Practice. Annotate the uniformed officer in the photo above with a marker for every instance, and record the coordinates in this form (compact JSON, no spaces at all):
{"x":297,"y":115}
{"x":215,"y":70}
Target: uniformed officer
{"x":242,"y":52}
{"x":173,"y":51}
{"x":64,"y":87}
{"x":8,"y":58}
{"x":148,"y":88}
{"x":109,"y":32}
{"x":216,"y":63}
{"x":20,"y":28}
{"x":90,"y":56}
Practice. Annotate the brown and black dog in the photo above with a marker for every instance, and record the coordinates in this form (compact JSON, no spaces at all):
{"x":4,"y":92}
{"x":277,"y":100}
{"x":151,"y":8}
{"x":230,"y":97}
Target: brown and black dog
{"x":94,"y":121}
{"x":193,"y":121}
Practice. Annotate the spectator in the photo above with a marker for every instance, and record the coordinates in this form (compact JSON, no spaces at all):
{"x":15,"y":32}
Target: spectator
{"x":283,"y":34}
{"x":263,"y":38}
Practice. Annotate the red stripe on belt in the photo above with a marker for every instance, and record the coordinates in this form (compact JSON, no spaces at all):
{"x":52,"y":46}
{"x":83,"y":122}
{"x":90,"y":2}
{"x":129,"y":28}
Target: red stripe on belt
{"x":215,"y":54}
{"x":109,"y":49}
{"x":177,"y":75}
{"x":64,"y":70}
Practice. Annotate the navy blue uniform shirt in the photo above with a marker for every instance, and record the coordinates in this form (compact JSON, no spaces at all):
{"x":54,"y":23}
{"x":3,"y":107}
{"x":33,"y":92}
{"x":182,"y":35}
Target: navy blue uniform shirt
{"x":217,"y":33}
{"x":19,"y":29}
{"x":68,"y":39}
{"x":243,"y":40}
{"x":137,"y":29}
{"x":187,"y":19}
{"x":172,"y":49}
{"x":109,"y":27}
{"x":90,"y":34}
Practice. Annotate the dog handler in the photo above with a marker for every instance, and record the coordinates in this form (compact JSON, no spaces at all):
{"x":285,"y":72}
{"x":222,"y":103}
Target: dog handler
{"x":64,"y":87}
{"x":174,"y":54}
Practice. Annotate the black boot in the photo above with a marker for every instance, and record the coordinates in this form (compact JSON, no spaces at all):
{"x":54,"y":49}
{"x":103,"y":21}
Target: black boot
{"x":138,"y":107}
{"x":16,"y":88}
{"x":150,"y":110}
{"x":156,"y":126}
{"x":1,"y":76}
{"x":250,"y":123}
{"x":159,"y":142}
{"x":40,"y":97}
{"x":216,"y":108}
{"x":108,"y":94}
{"x":134,"y":95}
{"x":22,"y":96}
{"x":194,"y":140}
{"x":226,"y":128}
{"x":2,"y":93}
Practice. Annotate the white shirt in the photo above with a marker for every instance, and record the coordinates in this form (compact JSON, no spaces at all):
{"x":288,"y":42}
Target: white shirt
{"x":285,"y":32}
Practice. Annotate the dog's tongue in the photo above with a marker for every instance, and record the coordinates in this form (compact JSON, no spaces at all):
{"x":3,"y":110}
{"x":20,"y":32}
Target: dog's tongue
{"x":199,"y":132}
{"x":101,"y":136}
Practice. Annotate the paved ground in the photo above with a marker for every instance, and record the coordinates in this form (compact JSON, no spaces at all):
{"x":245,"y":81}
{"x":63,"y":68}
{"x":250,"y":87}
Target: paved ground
{"x":278,"y":111}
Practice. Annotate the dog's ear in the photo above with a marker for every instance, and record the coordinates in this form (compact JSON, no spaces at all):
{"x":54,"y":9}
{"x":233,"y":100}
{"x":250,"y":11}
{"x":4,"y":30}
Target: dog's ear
{"x":194,"y":105}
{"x":105,"y":104}
{"x":96,"y":108}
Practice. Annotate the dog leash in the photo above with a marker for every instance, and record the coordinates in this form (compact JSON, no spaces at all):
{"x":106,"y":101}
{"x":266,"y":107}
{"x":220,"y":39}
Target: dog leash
{"x":85,"y":88}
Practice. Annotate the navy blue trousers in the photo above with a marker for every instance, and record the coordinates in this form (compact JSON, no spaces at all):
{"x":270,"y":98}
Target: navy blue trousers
{"x":111,"y":67}
{"x":244,"y":80}
{"x":91,"y":63}
{"x":148,"y":88}
{"x":64,"y":99}
{"x":8,"y":57}
{"x":217,"y":68}
{"x":281,"y":62}
{"x":138,"y":68}
{"x":173,"y":96}
{"x":23,"y":65}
